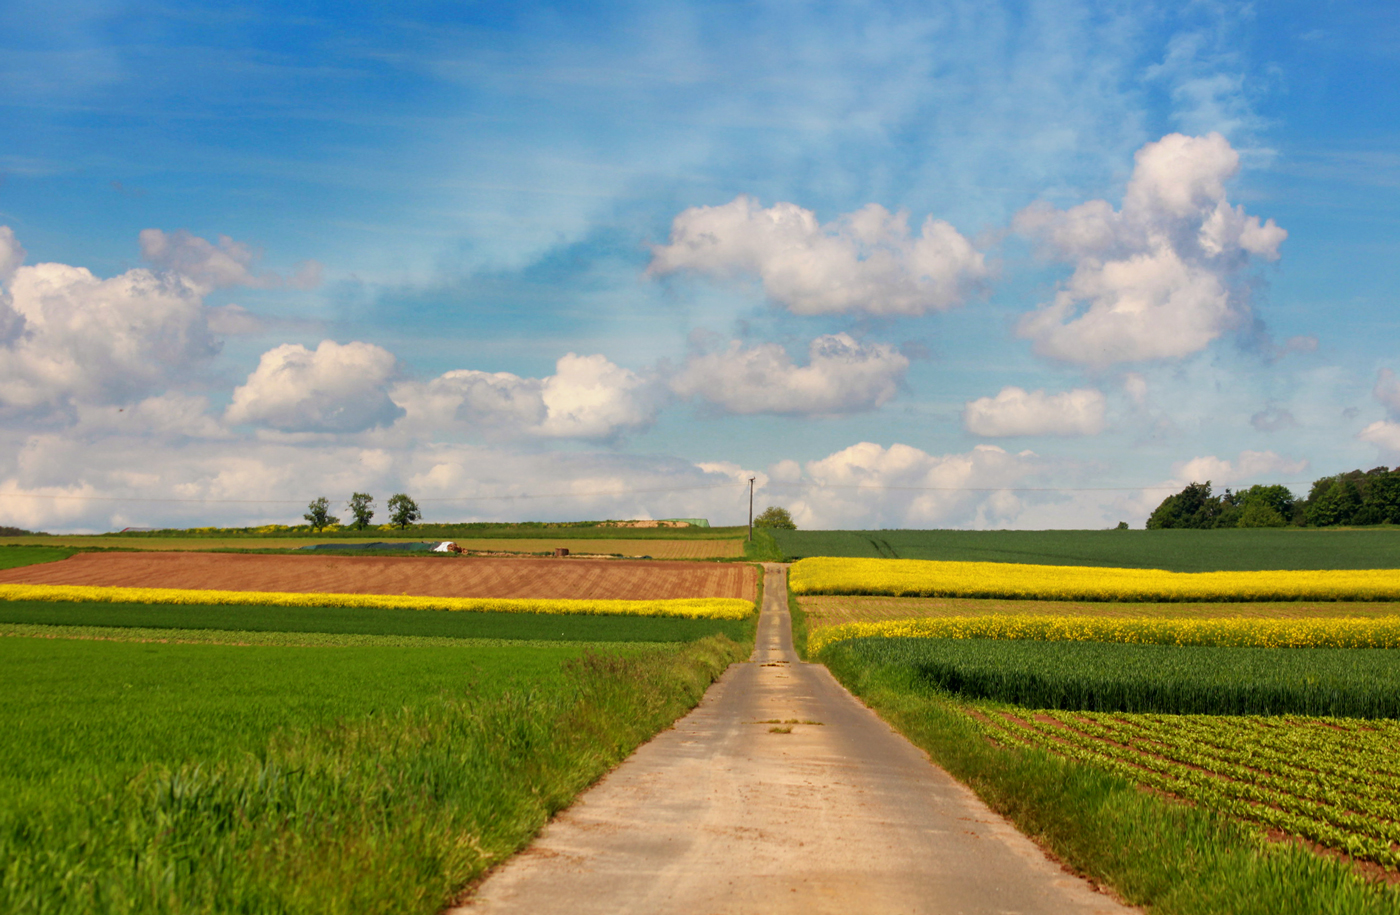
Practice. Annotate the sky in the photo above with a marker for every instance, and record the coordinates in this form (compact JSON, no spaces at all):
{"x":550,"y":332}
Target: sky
{"x":932,"y":265}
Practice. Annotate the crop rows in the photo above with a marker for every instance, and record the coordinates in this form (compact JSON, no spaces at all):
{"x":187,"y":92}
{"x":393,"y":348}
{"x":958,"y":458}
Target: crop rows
{"x":920,"y":578}
{"x":1329,"y":781}
{"x":1238,"y":633}
{"x":1106,"y":677}
{"x":723,"y":608}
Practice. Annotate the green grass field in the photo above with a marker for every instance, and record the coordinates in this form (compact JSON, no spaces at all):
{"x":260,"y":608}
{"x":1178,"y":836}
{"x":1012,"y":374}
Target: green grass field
{"x":12,"y":557}
{"x":370,"y":621}
{"x":1255,"y":549}
{"x":177,"y":759}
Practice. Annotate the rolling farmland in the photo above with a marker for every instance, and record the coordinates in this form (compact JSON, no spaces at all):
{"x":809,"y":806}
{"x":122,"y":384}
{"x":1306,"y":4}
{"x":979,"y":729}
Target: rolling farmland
{"x":311,"y":757}
{"x":1269,"y":696}
{"x":657,"y":547}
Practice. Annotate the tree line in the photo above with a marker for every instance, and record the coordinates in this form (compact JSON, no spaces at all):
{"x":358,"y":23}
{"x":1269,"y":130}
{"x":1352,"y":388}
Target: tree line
{"x":1354,"y":498}
{"x":403,"y":511}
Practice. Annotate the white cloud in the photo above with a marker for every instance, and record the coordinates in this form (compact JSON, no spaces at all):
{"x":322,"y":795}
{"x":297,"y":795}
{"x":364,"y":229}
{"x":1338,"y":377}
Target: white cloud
{"x":227,"y":263}
{"x":870,"y":486}
{"x":11,"y":254}
{"x":1250,"y":466}
{"x":866,"y":261}
{"x":1016,"y":411}
{"x":841,"y":376}
{"x":334,"y":388}
{"x":1383,"y":433}
{"x":1160,"y":278}
{"x":587,"y":397}
{"x":172,"y":414}
{"x":77,"y":338}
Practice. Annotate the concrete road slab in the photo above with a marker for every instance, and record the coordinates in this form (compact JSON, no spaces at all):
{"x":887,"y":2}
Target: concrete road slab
{"x":722,"y":814}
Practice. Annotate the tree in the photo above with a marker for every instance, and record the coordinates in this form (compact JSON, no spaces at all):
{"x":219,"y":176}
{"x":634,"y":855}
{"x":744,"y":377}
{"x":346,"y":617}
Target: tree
{"x":775,"y":517}
{"x":1260,"y":514}
{"x":1194,"y":507}
{"x":403,"y":511}
{"x":318,"y":514}
{"x":361,"y":506}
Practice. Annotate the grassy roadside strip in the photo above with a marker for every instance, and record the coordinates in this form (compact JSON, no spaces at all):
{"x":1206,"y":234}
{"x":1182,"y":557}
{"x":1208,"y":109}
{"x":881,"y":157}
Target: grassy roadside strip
{"x":698,"y":607}
{"x":763,"y":548}
{"x":394,"y":812}
{"x":801,"y":635}
{"x":1177,"y":859}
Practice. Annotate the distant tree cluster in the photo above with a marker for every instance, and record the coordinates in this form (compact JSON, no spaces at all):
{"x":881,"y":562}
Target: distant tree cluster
{"x":775,"y":516}
{"x":1354,"y":498}
{"x":403,"y":511}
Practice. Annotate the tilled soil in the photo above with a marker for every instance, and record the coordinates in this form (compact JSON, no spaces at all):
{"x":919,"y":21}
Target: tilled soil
{"x":583,"y":579}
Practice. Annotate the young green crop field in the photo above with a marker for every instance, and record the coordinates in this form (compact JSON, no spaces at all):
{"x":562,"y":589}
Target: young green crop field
{"x":1171,"y":550}
{"x":1108,"y":677}
{"x":451,"y":624}
{"x":242,"y":758}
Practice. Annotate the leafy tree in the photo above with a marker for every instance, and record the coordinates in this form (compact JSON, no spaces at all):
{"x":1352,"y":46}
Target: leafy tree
{"x":775,"y":517}
{"x":318,"y":514}
{"x":1260,"y":514}
{"x":362,"y":507}
{"x":1333,"y":500}
{"x":1193,"y":507}
{"x":403,"y":511}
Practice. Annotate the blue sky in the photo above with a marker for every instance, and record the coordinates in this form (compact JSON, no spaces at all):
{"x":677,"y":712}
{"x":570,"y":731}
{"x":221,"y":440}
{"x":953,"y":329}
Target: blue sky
{"x":935,"y":264}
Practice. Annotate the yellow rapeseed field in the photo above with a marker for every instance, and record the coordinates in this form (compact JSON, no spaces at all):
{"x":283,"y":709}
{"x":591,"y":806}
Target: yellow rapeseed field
{"x":1242,"y":633}
{"x":721,"y":608}
{"x":923,"y":578}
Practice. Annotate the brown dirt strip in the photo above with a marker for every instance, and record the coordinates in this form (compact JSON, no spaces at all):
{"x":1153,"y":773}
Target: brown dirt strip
{"x":658,"y":549}
{"x":828,"y":610}
{"x":582,"y":579}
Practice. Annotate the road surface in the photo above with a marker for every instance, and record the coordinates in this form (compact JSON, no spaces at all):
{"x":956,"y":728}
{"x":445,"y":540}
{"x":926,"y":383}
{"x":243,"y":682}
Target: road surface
{"x":723,"y":815}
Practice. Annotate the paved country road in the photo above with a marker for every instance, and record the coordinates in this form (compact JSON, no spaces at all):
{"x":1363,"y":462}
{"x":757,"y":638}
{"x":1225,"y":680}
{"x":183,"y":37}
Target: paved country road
{"x":720,"y":815}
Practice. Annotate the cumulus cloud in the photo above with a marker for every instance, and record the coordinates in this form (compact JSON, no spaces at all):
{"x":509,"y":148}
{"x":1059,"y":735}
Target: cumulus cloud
{"x":1159,"y":278}
{"x":1383,"y":433}
{"x":334,"y":388}
{"x":1016,"y":411}
{"x":841,"y":376}
{"x":587,"y":397}
{"x":76,"y":338}
{"x":218,"y":264}
{"x":870,"y":486}
{"x":1250,"y":466}
{"x":867,"y":261}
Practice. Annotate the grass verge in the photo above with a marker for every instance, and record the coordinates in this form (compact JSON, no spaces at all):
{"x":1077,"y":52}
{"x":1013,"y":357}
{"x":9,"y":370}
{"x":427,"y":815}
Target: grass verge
{"x":763,"y":548}
{"x":1174,"y":858}
{"x":393,"y":811}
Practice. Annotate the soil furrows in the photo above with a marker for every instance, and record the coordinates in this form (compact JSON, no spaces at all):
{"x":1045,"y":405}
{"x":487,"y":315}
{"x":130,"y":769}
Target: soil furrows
{"x":584,"y":579}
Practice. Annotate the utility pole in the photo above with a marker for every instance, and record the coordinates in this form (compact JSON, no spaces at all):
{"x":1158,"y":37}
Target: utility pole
{"x":751,"y":479}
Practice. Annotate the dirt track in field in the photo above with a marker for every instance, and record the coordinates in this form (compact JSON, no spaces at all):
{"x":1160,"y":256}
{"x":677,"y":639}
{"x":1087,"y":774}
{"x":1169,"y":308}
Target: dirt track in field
{"x":584,"y":579}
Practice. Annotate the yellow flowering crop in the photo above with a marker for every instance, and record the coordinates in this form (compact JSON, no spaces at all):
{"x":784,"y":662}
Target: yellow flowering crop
{"x":922,"y":578}
{"x":1237,"y":633}
{"x":720,"y":608}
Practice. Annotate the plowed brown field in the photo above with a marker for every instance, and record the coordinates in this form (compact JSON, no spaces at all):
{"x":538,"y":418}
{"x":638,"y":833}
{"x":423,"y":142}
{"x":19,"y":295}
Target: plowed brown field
{"x":583,"y":579}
